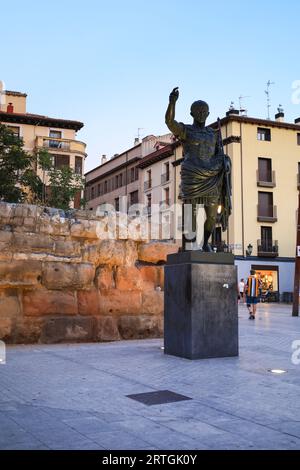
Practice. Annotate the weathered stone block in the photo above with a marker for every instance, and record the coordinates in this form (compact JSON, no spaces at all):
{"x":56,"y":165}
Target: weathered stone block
{"x":58,"y":275}
{"x":116,"y":302}
{"x":88,"y":302}
{"x":85,"y":229}
{"x":131,"y":253}
{"x":156,"y":252}
{"x":5,"y":327}
{"x":105,"y":278}
{"x":67,"y":248}
{"x":152,"y":276}
{"x":153,"y":302}
{"x":58,"y":330}
{"x":43,"y":302}
{"x":138,"y":327}
{"x":24,"y":273}
{"x":107,"y":329}
{"x":33,"y":242}
{"x":128,"y":278}
{"x":26,"y":331}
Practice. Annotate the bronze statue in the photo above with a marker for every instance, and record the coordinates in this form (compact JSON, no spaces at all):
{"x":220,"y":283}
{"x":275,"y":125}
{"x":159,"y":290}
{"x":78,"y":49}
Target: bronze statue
{"x":205,"y":171}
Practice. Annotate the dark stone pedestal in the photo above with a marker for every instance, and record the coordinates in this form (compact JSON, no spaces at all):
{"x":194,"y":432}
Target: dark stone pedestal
{"x":201,"y":312}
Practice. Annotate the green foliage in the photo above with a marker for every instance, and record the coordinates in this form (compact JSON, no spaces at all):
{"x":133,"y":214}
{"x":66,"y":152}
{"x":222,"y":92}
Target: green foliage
{"x":14,"y":164}
{"x":20,"y":183}
{"x":64,"y":185}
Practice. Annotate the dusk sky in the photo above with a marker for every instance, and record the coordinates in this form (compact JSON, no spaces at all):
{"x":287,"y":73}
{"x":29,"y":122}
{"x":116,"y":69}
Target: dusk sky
{"x":112,"y":64}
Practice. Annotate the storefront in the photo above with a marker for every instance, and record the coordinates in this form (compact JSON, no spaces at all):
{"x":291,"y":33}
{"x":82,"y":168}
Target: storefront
{"x":269,"y":281}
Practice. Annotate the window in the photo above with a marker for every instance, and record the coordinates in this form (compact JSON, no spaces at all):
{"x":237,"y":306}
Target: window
{"x":149,"y":203}
{"x":120,"y":180}
{"x":265,"y":169}
{"x":54,"y":143}
{"x":78,"y":165}
{"x":92,"y":192}
{"x":105,"y":187}
{"x":98,"y":190}
{"x":265,"y":204}
{"x":136,"y":173}
{"x":117,"y":204}
{"x":263,"y":134}
{"x":15,"y":130}
{"x":167,"y":196}
{"x":132,"y":175}
{"x":298,"y":138}
{"x":167,"y":171}
{"x":266,"y":238}
{"x":61,"y":161}
{"x":134,"y":197}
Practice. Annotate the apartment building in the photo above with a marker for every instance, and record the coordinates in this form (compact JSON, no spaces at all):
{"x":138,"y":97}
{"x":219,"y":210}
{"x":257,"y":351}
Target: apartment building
{"x":58,"y":136}
{"x":120,"y":175}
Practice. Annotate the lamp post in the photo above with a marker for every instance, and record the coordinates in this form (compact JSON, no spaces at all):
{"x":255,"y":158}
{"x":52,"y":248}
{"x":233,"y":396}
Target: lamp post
{"x":249,"y":250}
{"x":295,"y":312}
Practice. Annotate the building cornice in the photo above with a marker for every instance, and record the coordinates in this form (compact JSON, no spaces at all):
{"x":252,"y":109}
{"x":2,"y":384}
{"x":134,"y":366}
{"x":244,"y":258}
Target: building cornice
{"x":256,"y":121}
{"x":159,"y":155}
{"x":112,"y":171}
{"x":37,"y":120}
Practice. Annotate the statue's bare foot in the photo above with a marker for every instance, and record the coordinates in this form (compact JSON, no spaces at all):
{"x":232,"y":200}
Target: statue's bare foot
{"x":207,"y":248}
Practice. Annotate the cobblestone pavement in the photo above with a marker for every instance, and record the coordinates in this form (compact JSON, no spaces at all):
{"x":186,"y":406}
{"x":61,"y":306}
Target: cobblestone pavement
{"x":75,"y":396}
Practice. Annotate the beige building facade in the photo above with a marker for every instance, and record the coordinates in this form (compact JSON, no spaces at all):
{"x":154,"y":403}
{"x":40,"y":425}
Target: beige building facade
{"x":58,"y":136}
{"x":120,"y":176}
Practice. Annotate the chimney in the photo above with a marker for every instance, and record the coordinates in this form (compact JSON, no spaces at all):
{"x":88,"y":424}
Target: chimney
{"x":10,"y":108}
{"x":103,"y":159}
{"x":279,"y":117}
{"x":232,"y":110}
{"x":136,"y":141}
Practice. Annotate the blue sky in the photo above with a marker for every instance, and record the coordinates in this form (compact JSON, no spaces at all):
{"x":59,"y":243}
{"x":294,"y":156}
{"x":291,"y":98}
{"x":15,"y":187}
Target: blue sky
{"x":112,"y":64}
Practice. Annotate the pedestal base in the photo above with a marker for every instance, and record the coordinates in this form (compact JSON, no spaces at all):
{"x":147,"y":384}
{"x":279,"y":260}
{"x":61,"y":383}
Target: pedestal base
{"x":201,"y":311}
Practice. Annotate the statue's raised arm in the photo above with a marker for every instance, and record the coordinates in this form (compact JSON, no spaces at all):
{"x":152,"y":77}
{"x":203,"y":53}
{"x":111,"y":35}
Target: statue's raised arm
{"x":175,"y":127}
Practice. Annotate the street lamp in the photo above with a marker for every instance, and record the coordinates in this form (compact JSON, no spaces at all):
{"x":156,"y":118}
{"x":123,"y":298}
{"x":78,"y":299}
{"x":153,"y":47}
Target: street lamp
{"x":249,"y":250}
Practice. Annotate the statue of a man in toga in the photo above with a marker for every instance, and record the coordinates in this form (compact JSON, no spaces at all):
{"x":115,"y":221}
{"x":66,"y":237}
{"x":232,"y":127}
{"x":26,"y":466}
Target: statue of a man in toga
{"x":205,"y":170}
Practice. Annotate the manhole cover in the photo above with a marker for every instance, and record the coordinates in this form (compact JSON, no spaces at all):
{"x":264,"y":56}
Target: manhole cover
{"x":158,"y":398}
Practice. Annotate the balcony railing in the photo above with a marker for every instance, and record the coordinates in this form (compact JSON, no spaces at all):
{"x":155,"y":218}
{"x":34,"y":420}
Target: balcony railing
{"x":266,"y":213}
{"x":60,"y":145}
{"x":221,"y":247}
{"x":298,"y":181}
{"x":147,"y":185}
{"x":269,"y":182}
{"x":163,"y":205}
{"x":165,"y":177}
{"x":267,"y":248}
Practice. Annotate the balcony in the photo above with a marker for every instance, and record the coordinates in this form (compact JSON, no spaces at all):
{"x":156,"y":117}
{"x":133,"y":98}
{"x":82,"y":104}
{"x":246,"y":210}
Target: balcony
{"x":266,"y":213}
{"x":165,"y":178}
{"x":147,"y":185}
{"x":267,"y":248}
{"x":221,"y":247}
{"x":262,"y":181}
{"x":164,"y":205}
{"x":60,"y":145}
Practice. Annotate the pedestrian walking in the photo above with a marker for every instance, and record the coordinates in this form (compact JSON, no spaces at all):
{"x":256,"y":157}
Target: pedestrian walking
{"x":252,"y":289}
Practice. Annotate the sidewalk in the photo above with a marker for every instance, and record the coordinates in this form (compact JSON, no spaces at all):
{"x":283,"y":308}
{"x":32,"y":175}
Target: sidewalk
{"x":75,"y":396}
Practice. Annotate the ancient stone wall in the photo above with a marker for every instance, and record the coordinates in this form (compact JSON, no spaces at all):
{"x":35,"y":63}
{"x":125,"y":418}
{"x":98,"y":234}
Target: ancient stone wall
{"x":60,"y":282}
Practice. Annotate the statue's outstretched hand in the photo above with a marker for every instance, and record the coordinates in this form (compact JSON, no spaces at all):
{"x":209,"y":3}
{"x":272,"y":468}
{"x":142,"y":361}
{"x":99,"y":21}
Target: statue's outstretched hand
{"x":174,"y":95}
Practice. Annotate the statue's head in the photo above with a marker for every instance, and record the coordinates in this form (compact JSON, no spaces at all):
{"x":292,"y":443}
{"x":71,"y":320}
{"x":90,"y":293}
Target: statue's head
{"x":200,"y":111}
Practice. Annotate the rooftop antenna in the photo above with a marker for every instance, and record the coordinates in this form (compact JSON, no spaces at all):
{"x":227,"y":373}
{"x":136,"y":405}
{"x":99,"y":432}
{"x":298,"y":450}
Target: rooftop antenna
{"x":267,"y":92}
{"x":139,"y":134}
{"x":243,"y":110}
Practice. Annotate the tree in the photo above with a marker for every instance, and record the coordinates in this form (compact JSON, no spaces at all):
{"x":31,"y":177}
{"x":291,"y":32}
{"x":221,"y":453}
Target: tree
{"x":17,"y":175}
{"x":64,"y":184}
{"x":20,"y":183}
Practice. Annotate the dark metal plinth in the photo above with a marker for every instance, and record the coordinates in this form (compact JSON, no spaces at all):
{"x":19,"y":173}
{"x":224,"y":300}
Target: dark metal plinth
{"x":201,"y":311}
